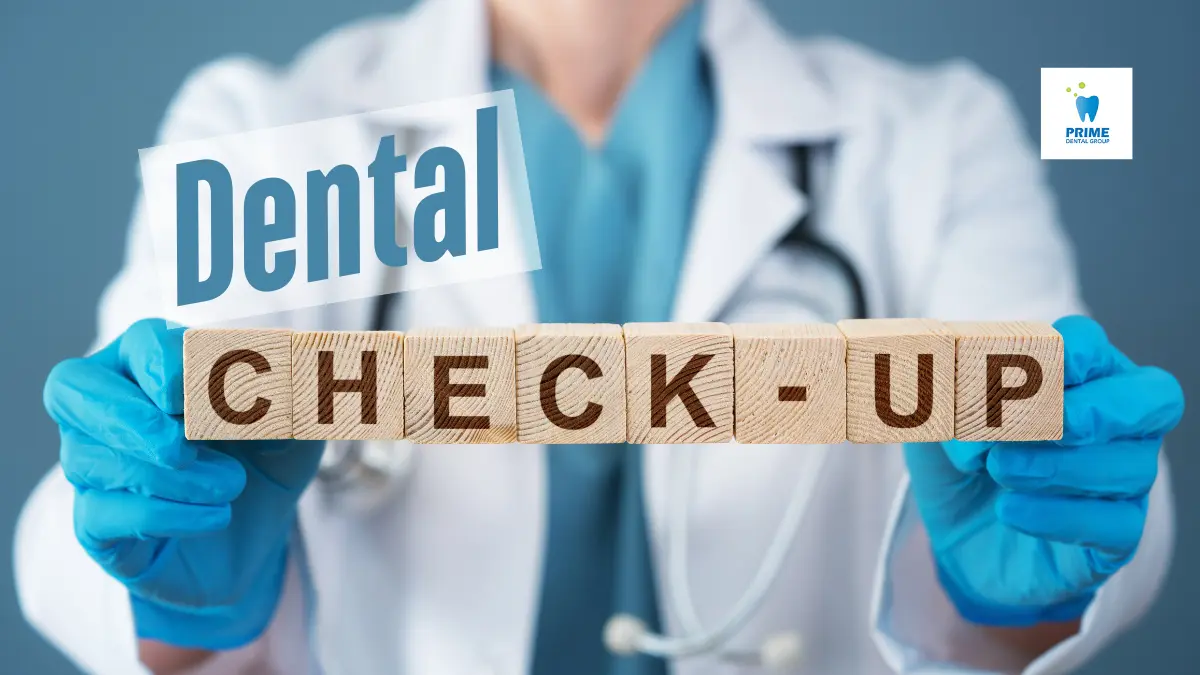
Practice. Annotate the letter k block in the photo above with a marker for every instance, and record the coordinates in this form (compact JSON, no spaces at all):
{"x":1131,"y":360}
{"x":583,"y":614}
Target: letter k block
{"x":679,"y":382}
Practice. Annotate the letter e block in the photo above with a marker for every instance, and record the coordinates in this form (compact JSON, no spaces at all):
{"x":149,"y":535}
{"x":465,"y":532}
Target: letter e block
{"x":348,"y":385}
{"x":1009,"y":382}
{"x":679,"y":382}
{"x":899,"y":380}
{"x":571,"y":383}
{"x":791,"y":383}
{"x":460,"y":385}
{"x":237,"y":384}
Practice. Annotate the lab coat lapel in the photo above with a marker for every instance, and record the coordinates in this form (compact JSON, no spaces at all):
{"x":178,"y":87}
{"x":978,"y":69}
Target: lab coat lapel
{"x":442,"y":50}
{"x":768,"y":98}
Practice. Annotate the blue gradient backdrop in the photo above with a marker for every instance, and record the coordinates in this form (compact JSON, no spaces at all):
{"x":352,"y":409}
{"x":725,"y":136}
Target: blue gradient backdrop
{"x":83,"y":85}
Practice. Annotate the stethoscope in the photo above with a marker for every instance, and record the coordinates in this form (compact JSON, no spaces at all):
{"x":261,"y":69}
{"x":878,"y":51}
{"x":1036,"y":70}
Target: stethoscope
{"x":360,"y":475}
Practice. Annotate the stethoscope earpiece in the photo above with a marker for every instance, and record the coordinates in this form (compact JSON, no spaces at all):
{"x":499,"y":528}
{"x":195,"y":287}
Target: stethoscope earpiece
{"x":623,"y":634}
{"x":781,"y":652}
{"x":626,"y":635}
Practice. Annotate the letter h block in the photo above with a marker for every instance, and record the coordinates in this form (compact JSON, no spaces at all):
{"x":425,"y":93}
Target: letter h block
{"x":348,"y":385}
{"x":460,"y":385}
{"x":237,"y":384}
{"x":570,"y":383}
{"x":679,"y":382}
{"x":899,"y":380}
{"x":1009,"y":385}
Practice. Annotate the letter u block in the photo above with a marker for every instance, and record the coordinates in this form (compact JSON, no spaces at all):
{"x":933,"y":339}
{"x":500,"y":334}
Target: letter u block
{"x":348,"y":385}
{"x":570,"y":383}
{"x":899,"y":380}
{"x":1009,"y":385}
{"x":237,"y":384}
{"x":460,"y":385}
{"x":679,"y":382}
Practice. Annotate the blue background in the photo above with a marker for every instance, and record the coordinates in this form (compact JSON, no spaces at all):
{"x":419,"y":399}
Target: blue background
{"x":83,"y":85}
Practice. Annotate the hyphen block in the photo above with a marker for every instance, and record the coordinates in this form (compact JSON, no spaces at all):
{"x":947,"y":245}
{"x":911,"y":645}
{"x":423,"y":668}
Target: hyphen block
{"x":237,"y":384}
{"x":460,"y":385}
{"x":348,"y":385}
{"x":791,"y":383}
{"x":1009,"y":384}
{"x":679,"y":382}
{"x":570,"y":383}
{"x":899,"y":380}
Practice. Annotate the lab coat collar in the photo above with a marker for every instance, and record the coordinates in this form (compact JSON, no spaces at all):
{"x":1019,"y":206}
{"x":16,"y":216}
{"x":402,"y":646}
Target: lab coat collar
{"x":769,"y":95}
{"x":767,"y":90}
{"x":443,"y":50}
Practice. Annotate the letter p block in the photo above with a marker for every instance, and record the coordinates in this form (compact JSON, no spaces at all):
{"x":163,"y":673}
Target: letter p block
{"x":1009,"y":385}
{"x":570,"y":383}
{"x":237,"y":384}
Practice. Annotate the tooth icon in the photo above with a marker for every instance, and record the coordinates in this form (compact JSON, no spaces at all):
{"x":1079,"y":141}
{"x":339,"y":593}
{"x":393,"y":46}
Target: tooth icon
{"x":1087,"y":106}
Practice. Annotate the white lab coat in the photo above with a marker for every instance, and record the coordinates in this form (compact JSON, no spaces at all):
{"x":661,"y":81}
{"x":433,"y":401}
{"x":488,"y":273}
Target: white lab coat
{"x":935,"y":194}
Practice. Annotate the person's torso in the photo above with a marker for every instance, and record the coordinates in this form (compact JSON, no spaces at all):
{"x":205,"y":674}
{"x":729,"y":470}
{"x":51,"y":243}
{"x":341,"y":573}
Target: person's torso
{"x":441,"y":575}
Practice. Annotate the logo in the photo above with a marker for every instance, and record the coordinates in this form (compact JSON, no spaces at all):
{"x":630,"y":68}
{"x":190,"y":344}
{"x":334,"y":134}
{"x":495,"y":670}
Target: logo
{"x":1071,"y":124}
{"x":1087,"y":107}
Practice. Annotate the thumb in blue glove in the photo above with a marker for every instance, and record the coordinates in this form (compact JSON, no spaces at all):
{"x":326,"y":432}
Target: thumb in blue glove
{"x":1027,"y":532}
{"x":198,"y":531}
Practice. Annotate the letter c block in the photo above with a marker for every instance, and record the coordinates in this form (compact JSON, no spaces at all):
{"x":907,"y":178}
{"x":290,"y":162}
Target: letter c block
{"x":348,"y":385}
{"x":237,"y":384}
{"x":570,"y":383}
{"x":679,"y":382}
{"x":1009,"y":385}
{"x":460,"y":385}
{"x":899,"y":380}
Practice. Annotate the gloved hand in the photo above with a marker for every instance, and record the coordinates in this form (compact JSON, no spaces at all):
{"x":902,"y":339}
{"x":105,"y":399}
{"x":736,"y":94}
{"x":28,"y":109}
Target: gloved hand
{"x":1027,"y":532}
{"x":198,"y":531}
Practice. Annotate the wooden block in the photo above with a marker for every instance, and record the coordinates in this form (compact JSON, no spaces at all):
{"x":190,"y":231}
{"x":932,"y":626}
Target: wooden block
{"x":679,"y":382}
{"x":460,"y":385}
{"x":237,"y":384}
{"x":1009,"y":381}
{"x":899,"y":380}
{"x":348,"y":385}
{"x":570,"y":383}
{"x":790,"y":383}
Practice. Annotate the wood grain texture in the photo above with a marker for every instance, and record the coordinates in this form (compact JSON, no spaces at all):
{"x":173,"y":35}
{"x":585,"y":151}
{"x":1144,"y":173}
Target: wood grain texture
{"x":679,"y":382}
{"x":475,"y":371}
{"x":1009,"y":381}
{"x":790,"y":382}
{"x":570,"y":383}
{"x":244,"y":373}
{"x":331,"y":402}
{"x":885,"y":382}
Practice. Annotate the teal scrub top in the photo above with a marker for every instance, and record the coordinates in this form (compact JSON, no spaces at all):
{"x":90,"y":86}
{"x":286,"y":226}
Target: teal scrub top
{"x":612,"y":225}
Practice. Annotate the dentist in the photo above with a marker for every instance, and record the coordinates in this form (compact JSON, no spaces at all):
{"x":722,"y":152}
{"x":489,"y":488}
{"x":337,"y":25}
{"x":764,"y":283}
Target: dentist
{"x":719,"y":149}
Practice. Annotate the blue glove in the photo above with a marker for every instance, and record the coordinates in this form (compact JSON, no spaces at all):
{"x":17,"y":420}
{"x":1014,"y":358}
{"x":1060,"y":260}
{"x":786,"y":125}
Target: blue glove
{"x":198,"y":531}
{"x":1027,"y":532}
